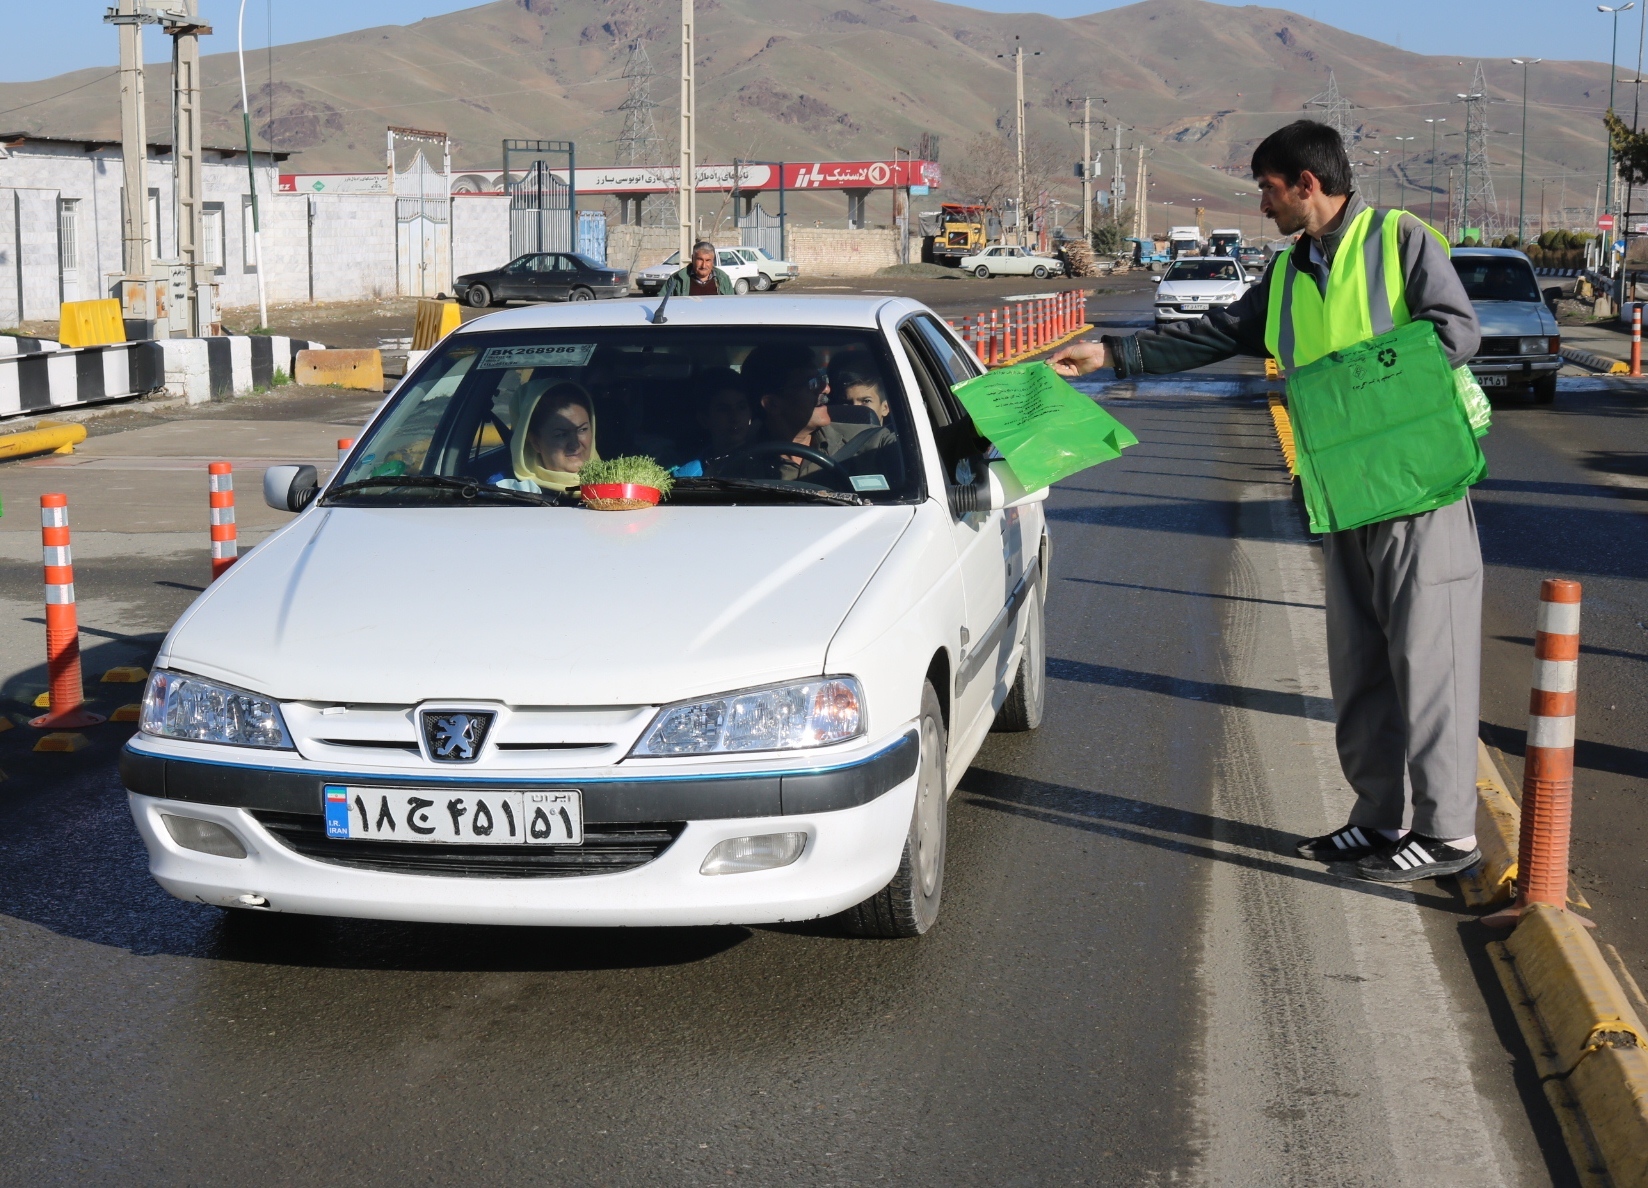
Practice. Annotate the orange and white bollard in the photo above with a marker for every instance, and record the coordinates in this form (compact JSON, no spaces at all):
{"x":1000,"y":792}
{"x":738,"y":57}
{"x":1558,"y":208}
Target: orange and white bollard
{"x":1636,"y":339}
{"x":995,"y":340}
{"x":345,"y":444}
{"x":67,"y":706}
{"x":225,"y":546}
{"x":1548,"y":764}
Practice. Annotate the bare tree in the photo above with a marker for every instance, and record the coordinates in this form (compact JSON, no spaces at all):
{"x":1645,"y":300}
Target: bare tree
{"x":987,"y":172}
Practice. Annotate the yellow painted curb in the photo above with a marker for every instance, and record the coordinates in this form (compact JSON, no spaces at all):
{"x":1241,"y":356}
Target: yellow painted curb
{"x":61,"y":742}
{"x":1042,"y":350}
{"x":43,"y":701}
{"x":348,"y":369}
{"x":1611,"y":1085}
{"x":1272,"y":370}
{"x":1619,"y":369}
{"x":1498,"y":825}
{"x":127,"y":713}
{"x":1579,"y":1000}
{"x":126,"y":674}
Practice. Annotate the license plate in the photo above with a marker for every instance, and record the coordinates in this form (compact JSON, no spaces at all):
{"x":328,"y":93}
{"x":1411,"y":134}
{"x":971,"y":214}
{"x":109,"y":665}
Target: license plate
{"x":1190,"y":306}
{"x":1492,"y":381}
{"x":549,"y":818}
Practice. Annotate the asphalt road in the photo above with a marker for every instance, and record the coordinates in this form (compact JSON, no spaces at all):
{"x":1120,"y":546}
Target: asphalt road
{"x":1132,"y":981}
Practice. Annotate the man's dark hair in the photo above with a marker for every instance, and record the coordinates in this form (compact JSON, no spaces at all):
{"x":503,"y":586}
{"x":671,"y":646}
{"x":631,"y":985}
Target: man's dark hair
{"x":768,"y":368}
{"x":1302,"y":145}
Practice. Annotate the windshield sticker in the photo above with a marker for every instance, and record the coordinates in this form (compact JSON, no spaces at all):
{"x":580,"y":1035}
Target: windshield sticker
{"x":574,"y":354}
{"x":870,"y":482}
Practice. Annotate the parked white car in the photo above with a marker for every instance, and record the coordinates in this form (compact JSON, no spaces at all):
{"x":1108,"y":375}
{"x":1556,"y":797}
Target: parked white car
{"x":1009,"y":260}
{"x":745,"y":274}
{"x":1193,"y":285}
{"x":446,"y":691}
{"x":774,"y":272}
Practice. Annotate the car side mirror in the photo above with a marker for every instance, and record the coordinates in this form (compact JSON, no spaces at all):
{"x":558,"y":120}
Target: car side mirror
{"x":1156,"y":279}
{"x":989,"y":486}
{"x":290,"y":488}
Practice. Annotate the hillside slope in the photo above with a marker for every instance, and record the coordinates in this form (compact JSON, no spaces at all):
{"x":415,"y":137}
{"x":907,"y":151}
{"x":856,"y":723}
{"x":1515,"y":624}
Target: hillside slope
{"x":817,"y":79}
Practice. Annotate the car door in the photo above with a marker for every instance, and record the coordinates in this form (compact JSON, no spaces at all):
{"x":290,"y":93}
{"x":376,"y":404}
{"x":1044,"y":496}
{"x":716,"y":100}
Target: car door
{"x":990,"y":545}
{"x":512,"y":280}
{"x":560,"y":273}
{"x":733,"y":266}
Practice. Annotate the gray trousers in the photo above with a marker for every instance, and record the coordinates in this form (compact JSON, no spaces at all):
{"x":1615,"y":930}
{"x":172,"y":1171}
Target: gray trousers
{"x":1404,"y":603}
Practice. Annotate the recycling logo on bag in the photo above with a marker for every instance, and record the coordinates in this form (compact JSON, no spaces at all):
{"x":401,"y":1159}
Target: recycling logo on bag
{"x":1387,"y":356}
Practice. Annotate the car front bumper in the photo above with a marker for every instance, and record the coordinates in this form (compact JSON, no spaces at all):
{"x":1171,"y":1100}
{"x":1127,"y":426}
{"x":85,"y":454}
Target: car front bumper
{"x":855,"y":816}
{"x":1517,"y":369}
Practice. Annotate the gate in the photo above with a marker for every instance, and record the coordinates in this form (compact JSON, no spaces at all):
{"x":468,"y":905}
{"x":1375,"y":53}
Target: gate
{"x":540,"y":212}
{"x":758,"y":229}
{"x":423,"y":229}
{"x":592,"y":235}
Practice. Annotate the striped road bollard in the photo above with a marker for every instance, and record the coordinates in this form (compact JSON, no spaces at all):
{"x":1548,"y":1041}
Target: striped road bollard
{"x":67,"y":698}
{"x":1548,"y":766}
{"x":220,"y":482}
{"x":345,"y":444}
{"x":1636,"y":339}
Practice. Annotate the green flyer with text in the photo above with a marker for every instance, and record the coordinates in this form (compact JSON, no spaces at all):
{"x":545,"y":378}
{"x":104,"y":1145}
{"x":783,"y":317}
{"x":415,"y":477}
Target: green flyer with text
{"x":1045,"y":428}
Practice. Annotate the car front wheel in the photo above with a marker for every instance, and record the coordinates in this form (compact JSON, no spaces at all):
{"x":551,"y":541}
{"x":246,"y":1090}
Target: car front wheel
{"x":740,"y":286}
{"x":1545,"y":389}
{"x":479,"y":296}
{"x":908,"y":906}
{"x":763,"y":283}
{"x":1023,"y":707}
{"x":1039,"y":272}
{"x":982,"y":272}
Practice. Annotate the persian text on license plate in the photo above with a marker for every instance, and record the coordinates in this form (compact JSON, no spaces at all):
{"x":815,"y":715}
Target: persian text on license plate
{"x":1191,"y":306}
{"x":1491,"y":381}
{"x":455,"y":817}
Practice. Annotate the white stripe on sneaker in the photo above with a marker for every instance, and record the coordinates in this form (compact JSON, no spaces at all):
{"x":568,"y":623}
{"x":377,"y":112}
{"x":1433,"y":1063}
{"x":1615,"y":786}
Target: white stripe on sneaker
{"x":1356,"y":832}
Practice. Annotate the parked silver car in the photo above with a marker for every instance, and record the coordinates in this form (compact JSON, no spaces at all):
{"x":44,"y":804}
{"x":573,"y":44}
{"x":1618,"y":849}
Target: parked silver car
{"x":1521,"y":347}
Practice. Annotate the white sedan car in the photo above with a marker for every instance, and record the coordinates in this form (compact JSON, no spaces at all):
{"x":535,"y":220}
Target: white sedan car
{"x":1006,"y":260}
{"x":448,"y":691}
{"x":1193,"y":285}
{"x":745,"y":274}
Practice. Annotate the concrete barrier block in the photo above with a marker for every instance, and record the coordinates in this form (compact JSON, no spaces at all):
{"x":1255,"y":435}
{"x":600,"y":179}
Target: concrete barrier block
{"x":1570,"y":986}
{"x":1611,"y":1085}
{"x":188,"y":369}
{"x":361,"y":369}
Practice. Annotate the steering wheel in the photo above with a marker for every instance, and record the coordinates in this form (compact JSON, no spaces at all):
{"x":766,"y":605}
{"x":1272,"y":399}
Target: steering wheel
{"x":839,"y":479}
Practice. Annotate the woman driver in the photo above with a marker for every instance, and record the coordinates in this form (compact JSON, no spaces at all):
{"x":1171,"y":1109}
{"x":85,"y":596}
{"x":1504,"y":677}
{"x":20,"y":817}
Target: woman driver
{"x":554,"y":437}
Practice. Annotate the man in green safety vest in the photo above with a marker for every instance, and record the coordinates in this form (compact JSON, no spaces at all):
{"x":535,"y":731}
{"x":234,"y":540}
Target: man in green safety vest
{"x":1404,"y":595}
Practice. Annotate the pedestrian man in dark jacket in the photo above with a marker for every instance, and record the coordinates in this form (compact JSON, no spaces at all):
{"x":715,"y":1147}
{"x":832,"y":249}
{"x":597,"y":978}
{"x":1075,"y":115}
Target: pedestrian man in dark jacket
{"x":700,"y":278}
{"x":1404,"y":596}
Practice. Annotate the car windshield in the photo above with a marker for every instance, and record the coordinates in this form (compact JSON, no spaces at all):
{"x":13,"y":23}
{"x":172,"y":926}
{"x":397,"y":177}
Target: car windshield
{"x":743,"y":414}
{"x":1202,"y":270}
{"x":1496,"y":278}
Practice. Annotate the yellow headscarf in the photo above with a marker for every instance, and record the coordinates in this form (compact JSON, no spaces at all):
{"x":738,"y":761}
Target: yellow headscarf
{"x":521,"y":451}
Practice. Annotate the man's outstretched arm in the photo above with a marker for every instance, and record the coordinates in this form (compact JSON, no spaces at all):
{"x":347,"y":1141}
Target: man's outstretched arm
{"x":1238,"y":329}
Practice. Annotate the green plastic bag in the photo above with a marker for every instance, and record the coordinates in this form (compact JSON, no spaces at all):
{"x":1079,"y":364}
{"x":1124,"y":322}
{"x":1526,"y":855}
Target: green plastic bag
{"x":1043,"y":427}
{"x":1382,"y":430}
{"x":1477,"y":409}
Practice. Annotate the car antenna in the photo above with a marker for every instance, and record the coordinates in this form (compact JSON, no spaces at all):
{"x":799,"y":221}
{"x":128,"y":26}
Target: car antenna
{"x":658,"y":318}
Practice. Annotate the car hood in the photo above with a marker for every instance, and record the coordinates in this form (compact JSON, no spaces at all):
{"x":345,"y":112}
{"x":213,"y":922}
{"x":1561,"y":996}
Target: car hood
{"x":1501,"y":318}
{"x":534,"y":606}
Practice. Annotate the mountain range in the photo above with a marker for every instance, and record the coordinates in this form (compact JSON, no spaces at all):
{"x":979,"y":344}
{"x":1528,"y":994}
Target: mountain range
{"x":1197,"y":83}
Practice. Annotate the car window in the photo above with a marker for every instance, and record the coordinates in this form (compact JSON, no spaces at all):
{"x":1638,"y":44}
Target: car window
{"x":717,"y":404}
{"x":951,"y":362}
{"x":747,"y":256}
{"x":1497,"y":278}
{"x":933,"y":394}
{"x":730,"y":258}
{"x":1202,"y":270}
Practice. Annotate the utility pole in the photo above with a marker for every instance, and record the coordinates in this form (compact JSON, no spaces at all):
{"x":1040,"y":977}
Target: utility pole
{"x":1087,"y":163}
{"x":188,"y":182}
{"x":687,"y":197}
{"x":1522,"y":185}
{"x":1430,"y":210}
{"x":1402,"y":169}
{"x":1141,"y":215}
{"x":1116,"y":184}
{"x":1018,"y":71}
{"x":134,"y":140}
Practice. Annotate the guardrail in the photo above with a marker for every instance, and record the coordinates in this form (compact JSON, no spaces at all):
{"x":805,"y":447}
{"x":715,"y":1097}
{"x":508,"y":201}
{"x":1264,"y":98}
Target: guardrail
{"x":1012,"y":333}
{"x":69,"y":377}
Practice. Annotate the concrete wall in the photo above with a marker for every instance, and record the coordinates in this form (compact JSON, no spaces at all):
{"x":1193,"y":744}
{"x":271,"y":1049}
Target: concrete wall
{"x":825,"y":251}
{"x":632,"y":248}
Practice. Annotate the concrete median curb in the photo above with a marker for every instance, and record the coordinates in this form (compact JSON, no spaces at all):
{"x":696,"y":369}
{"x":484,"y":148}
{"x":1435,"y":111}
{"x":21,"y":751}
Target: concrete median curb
{"x":1595,"y":362}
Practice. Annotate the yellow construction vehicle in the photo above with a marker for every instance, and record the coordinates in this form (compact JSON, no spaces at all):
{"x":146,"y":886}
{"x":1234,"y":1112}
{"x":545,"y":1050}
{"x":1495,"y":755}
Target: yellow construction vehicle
{"x":961,"y":231}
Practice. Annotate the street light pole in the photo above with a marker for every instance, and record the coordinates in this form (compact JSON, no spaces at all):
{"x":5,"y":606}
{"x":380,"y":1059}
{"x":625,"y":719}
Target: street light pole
{"x":1402,"y":168}
{"x":1613,"y":57}
{"x":1018,"y":71}
{"x":1379,"y":193}
{"x":1087,"y":164}
{"x":1522,"y":185}
{"x":1430,"y":211}
{"x":251,"y":171}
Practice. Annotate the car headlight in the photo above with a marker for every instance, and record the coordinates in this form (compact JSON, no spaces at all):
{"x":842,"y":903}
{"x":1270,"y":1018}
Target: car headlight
{"x":179,"y":706}
{"x":812,"y":713}
{"x":1533,"y":346}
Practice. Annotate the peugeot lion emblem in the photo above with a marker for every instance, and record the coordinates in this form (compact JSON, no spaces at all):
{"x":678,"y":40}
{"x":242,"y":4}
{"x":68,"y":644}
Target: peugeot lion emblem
{"x":454,"y":736}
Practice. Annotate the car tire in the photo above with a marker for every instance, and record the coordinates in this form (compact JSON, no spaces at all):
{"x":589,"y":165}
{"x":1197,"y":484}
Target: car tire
{"x":1545,"y":389}
{"x":580,"y":293}
{"x":1039,"y":272}
{"x":908,"y":906}
{"x":982,"y":272}
{"x":741,"y":286}
{"x":1023,"y":708}
{"x":763,"y":283}
{"x":479,"y":296}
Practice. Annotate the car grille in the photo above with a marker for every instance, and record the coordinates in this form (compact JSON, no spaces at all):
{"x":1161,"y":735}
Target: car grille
{"x":1498,"y":346}
{"x":607,"y":849}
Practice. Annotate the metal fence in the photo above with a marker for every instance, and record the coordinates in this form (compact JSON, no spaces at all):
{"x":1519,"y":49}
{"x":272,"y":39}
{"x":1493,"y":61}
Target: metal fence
{"x":540,"y":213}
{"x":758,"y":229}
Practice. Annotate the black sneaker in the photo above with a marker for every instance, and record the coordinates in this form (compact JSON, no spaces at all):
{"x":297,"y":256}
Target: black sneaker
{"x":1344,"y":845}
{"x":1415,"y":858}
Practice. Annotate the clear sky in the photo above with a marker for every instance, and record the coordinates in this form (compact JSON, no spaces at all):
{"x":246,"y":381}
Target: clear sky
{"x":50,"y":37}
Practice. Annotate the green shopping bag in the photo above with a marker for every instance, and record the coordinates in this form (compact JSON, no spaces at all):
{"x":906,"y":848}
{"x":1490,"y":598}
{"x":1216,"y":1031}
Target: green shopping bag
{"x":1043,"y":427}
{"x":1382,"y":431}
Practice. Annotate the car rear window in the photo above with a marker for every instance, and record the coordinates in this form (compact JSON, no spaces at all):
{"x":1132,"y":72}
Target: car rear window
{"x":1497,"y":278}
{"x":739,"y":414}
